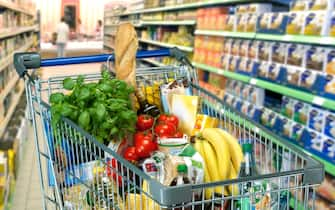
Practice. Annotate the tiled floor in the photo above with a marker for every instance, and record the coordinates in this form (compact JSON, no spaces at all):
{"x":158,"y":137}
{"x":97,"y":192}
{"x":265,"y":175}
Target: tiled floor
{"x":27,"y":195}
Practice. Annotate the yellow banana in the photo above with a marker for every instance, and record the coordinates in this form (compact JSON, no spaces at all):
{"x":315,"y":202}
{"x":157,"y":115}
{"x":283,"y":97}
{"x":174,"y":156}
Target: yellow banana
{"x":134,"y":201}
{"x":234,"y":148}
{"x":198,"y":146}
{"x":211,"y":161}
{"x":233,"y":189}
{"x":147,"y":202}
{"x":221,"y":148}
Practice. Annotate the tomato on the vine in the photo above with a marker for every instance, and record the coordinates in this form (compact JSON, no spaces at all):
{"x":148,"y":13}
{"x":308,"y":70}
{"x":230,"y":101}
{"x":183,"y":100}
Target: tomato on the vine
{"x":144,"y":122}
{"x":165,"y":129}
{"x":130,"y":154}
{"x":173,"y":119}
{"x":144,"y":144}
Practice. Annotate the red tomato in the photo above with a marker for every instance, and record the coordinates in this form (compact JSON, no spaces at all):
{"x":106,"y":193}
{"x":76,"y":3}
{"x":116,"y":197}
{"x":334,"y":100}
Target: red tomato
{"x":130,"y":154}
{"x":173,"y":119}
{"x":144,"y":144}
{"x":165,"y":129}
{"x":144,"y":122}
{"x":178,"y":134}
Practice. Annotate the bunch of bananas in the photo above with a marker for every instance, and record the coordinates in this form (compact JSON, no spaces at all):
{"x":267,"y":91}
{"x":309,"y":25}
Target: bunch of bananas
{"x":222,"y":155}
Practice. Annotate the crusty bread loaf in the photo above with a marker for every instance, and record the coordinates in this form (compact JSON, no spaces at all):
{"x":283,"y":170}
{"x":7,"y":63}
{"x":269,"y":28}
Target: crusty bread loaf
{"x":126,"y":44}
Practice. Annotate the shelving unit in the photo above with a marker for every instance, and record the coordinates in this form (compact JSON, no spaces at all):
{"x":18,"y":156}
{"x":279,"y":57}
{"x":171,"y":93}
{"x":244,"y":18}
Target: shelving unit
{"x":162,"y":44}
{"x":282,"y":89}
{"x":329,"y":41}
{"x":16,"y":31}
{"x":167,"y":23}
{"x":15,"y":7}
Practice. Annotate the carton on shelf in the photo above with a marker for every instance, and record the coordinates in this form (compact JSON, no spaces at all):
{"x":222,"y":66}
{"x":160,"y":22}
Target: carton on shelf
{"x":317,"y":23}
{"x":316,"y":58}
{"x":278,"y":52}
{"x":296,"y":23}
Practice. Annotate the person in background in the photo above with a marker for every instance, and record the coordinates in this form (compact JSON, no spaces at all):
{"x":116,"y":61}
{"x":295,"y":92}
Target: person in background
{"x":62,"y":37}
{"x":98,"y":30}
{"x":81,"y":33}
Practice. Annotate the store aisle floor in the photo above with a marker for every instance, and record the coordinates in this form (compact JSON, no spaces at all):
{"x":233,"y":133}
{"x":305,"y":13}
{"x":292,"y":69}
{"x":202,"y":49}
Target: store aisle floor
{"x":27,"y":195}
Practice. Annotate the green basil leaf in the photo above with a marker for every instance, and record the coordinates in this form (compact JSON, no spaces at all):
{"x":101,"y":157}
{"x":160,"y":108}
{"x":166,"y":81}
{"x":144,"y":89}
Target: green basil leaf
{"x":68,"y":84}
{"x":56,"y":98}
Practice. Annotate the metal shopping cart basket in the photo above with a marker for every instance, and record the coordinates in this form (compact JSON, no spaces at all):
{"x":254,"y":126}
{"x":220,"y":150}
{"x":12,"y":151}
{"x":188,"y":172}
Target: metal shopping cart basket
{"x":76,"y":177}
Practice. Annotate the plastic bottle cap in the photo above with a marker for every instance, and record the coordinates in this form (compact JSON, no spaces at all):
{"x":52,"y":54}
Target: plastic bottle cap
{"x":247,"y":147}
{"x":182,"y":168}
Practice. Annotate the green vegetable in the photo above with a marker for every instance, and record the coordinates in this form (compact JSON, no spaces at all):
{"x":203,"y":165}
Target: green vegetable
{"x":101,"y":108}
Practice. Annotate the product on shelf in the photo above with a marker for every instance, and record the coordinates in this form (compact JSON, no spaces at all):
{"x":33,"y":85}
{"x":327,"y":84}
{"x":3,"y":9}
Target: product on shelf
{"x":296,"y":23}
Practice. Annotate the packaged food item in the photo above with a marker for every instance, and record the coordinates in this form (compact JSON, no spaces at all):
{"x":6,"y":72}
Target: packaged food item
{"x":263,"y":69}
{"x":329,"y":89}
{"x":316,"y":119}
{"x":221,"y":21}
{"x":237,"y":89}
{"x":251,"y":23}
{"x":297,"y":132}
{"x":237,"y":103}
{"x":330,"y":63}
{"x":301,"y":5}
{"x":301,"y":111}
{"x":329,"y":129}
{"x":253,"y":50}
{"x":279,"y":51}
{"x":185,"y":108}
{"x":296,"y":22}
{"x":297,"y":55}
{"x":235,"y":47}
{"x":293,"y":75}
{"x":275,"y":73}
{"x":278,"y":22}
{"x":245,"y":107}
{"x":316,"y":57}
{"x":287,"y":107}
{"x":233,"y":63}
{"x":264,"y":22}
{"x":287,"y":127}
{"x":231,"y":23}
{"x":315,"y":141}
{"x":204,"y":121}
{"x":242,"y":66}
{"x":309,"y":80}
{"x":228,"y":44}
{"x":317,"y":23}
{"x":321,"y":5}
{"x":244,"y":48}
{"x":154,"y":166}
{"x":225,"y":61}
{"x":241,"y":9}
{"x":332,"y":24}
{"x":168,"y":90}
{"x":264,"y":52}
{"x":266,"y":117}
{"x":241,"y":22}
{"x":172,"y":146}
{"x":254,"y":112}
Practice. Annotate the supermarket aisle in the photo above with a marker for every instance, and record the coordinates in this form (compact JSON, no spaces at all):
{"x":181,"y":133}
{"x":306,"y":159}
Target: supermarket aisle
{"x":27,"y":195}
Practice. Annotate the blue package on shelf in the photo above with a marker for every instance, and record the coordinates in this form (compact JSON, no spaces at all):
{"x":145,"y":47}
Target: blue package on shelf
{"x":328,"y":89}
{"x":237,"y":104}
{"x":254,"y":113}
{"x":330,"y":124}
{"x":298,"y":133}
{"x":312,"y":81}
{"x":278,"y":125}
{"x":329,"y":148}
{"x":272,"y":23}
{"x":276,"y":73}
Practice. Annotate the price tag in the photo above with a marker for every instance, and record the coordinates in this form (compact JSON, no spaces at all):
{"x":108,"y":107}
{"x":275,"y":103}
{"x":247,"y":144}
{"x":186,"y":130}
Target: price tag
{"x":318,"y":100}
{"x":253,"y":81}
{"x":220,"y":71}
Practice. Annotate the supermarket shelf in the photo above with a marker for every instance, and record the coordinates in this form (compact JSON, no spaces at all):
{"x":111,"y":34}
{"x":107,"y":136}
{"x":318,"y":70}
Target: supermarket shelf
{"x":291,"y":92}
{"x":226,"y":34}
{"x":9,"y":87}
{"x":7,"y":191}
{"x":168,"y":23}
{"x":9,"y":59}
{"x":193,"y":5}
{"x":15,"y":7}
{"x":330,"y":41}
{"x":162,"y":44}
{"x":153,"y":62}
{"x":17,"y":30}
{"x":15,"y":100}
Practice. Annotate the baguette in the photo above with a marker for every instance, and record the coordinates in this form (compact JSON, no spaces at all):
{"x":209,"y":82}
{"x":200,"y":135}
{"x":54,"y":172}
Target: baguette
{"x":126,"y":44}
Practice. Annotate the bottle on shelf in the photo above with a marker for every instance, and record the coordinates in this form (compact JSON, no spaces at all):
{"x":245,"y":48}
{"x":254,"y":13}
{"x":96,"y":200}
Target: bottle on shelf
{"x":145,"y":106}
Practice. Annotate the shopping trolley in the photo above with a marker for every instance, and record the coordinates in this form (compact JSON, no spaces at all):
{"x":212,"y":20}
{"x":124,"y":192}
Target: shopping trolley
{"x":75,"y":174}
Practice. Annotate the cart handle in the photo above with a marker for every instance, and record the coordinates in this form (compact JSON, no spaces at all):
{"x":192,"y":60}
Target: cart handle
{"x":32,"y":60}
